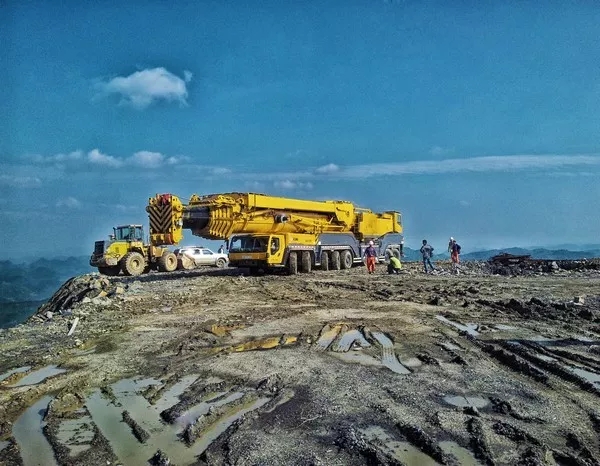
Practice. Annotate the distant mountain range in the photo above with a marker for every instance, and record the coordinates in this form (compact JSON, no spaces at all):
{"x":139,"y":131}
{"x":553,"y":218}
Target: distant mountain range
{"x":38,"y":280}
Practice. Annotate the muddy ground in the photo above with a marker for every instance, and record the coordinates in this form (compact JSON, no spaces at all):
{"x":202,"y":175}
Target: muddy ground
{"x":329,"y":368}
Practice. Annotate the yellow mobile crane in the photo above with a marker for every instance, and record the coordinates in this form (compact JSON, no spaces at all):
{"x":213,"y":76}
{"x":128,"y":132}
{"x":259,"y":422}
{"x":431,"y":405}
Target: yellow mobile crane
{"x":268,"y":232}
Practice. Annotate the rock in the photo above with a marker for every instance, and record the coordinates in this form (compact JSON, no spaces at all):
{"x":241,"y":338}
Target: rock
{"x":119,"y":290}
{"x":49,"y":314}
{"x":579,"y":300}
{"x":554,"y":266}
{"x":102,"y":294}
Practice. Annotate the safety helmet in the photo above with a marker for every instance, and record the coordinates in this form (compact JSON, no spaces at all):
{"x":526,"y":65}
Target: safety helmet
{"x":451,"y":239}
{"x":371,"y":243}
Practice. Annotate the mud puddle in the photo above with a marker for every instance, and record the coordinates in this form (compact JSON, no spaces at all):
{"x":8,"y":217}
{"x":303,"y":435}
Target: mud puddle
{"x":27,"y":431}
{"x":464,"y":456}
{"x":388,"y":357}
{"x":464,"y":401}
{"x":37,"y":377}
{"x":76,"y":434}
{"x":402,"y":451}
{"x":18,"y":370}
{"x":471,"y":329}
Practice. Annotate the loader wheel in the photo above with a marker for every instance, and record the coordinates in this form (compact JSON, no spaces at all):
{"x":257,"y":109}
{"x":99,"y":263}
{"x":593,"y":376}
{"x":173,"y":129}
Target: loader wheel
{"x":110,"y":271}
{"x":335,"y":260}
{"x":133,"y":264}
{"x":346,"y":259}
{"x":293,"y":263}
{"x":167,"y":262}
{"x":306,"y":265}
{"x":324,"y":261}
{"x":221,"y":263}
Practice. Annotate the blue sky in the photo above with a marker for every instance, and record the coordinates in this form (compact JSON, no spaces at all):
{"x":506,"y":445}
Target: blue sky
{"x":474,"y":119}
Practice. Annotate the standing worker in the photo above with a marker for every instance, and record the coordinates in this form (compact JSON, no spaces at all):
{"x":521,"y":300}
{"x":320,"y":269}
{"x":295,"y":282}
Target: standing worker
{"x":370,"y":254}
{"x":455,"y":255}
{"x":427,"y":253}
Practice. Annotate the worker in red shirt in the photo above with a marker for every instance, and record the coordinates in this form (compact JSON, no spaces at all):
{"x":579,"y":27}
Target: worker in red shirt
{"x":370,"y":254}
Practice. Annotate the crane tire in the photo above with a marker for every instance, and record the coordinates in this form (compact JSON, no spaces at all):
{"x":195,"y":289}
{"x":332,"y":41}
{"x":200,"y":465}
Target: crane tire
{"x":292,"y":267}
{"x":306,"y":262}
{"x":133,"y":264}
{"x":167,"y":262}
{"x":335,"y":260}
{"x":345,"y":259}
{"x":324,"y":261}
{"x":110,"y":271}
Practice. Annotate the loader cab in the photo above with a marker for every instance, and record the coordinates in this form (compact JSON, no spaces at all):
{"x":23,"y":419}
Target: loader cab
{"x":129,"y":233}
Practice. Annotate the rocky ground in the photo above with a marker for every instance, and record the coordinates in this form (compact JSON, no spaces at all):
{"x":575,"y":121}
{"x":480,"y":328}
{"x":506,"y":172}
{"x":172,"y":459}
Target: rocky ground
{"x":494,"y":366}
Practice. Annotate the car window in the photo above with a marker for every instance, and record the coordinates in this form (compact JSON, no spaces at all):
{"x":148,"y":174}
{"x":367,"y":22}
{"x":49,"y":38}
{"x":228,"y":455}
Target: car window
{"x":206,"y":251}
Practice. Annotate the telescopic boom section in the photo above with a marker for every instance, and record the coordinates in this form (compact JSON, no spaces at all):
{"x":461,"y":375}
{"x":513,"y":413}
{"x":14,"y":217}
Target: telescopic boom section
{"x":218,"y":216}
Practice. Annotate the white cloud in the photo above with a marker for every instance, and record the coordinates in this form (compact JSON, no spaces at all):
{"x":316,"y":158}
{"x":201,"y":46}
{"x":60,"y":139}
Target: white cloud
{"x":142,"y":88}
{"x":289,"y":185}
{"x":20,"y":181}
{"x":507,"y":163}
{"x":147,"y":159}
{"x":98,"y":158}
{"x":464,"y":203}
{"x":329,"y":168}
{"x":69,"y":203}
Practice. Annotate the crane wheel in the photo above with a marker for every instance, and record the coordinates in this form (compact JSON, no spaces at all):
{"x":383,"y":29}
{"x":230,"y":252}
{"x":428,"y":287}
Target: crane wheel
{"x":167,"y":262}
{"x":335,"y":260}
{"x":293,"y":263}
{"x":324,"y":261}
{"x":133,"y":264}
{"x":110,"y":271}
{"x":306,"y":265}
{"x":346,"y":259}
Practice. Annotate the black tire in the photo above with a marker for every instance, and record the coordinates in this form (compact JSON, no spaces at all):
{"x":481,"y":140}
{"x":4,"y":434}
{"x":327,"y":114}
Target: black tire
{"x":335,"y":260}
{"x":345,"y":259}
{"x":133,"y":264}
{"x":306,"y":262}
{"x":292,"y":267}
{"x":396,"y":253}
{"x":167,"y":262}
{"x":221,"y":263}
{"x":324,"y":261}
{"x":110,"y":271}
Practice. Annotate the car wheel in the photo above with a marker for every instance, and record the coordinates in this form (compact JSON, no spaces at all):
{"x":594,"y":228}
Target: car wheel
{"x":221,"y":263}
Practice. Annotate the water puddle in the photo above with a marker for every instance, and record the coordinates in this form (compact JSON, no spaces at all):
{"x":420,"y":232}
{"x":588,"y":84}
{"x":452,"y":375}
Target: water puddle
{"x":4,"y":444}
{"x":27,"y":431}
{"x":404,"y":452}
{"x":505,"y":327}
{"x":39,"y":376}
{"x":214,"y":431}
{"x":388,"y":357}
{"x":451,"y":346}
{"x":199,"y":410}
{"x":591,"y":377}
{"x":171,"y":396}
{"x":18,"y":370}
{"x":348,"y":339}
{"x":76,"y":434}
{"x":108,"y":416}
{"x":328,"y":334}
{"x":471,"y":329}
{"x":463,"y":401}
{"x":543,"y":357}
{"x":464,"y":456}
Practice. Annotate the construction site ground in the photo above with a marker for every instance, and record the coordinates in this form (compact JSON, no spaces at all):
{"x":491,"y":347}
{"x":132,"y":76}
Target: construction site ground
{"x":327,"y":368}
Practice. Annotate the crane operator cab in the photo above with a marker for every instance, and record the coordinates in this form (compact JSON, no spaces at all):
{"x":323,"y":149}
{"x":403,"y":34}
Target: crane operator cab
{"x":256,"y":250}
{"x":128,"y":233}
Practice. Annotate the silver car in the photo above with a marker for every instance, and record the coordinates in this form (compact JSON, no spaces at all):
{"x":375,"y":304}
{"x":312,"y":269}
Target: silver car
{"x":204,"y":256}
